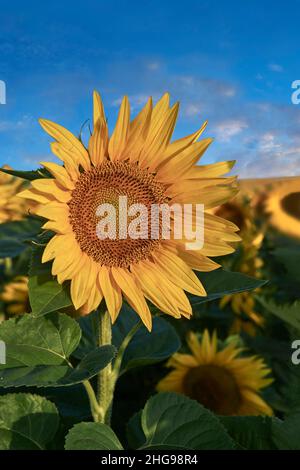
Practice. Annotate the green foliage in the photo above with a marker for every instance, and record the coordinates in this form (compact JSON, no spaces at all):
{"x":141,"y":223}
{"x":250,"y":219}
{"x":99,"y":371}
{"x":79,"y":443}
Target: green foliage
{"x":288,"y":313}
{"x":221,"y":282}
{"x":38,"y":352}
{"x":92,"y":436}
{"x":15,"y":236}
{"x":28,"y":175}
{"x":172,"y":421}
{"x":46,"y":295}
{"x":27,"y":422}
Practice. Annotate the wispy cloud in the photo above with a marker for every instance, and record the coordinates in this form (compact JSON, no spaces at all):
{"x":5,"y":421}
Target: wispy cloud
{"x":228,"y":129}
{"x":275,"y":67}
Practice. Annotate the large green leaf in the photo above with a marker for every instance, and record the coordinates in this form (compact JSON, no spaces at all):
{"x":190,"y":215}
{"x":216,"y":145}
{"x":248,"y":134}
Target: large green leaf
{"x":289,"y":313}
{"x":173,"y":421}
{"x":15,"y":236}
{"x":46,"y":295}
{"x":92,"y":436}
{"x":144,"y":348}
{"x":290,"y":258}
{"x":38,"y":351}
{"x":27,"y":422}
{"x":221,"y":282}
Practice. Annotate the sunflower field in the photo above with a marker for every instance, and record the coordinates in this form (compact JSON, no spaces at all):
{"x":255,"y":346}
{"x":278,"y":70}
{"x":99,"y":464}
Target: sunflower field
{"x":138,"y":343}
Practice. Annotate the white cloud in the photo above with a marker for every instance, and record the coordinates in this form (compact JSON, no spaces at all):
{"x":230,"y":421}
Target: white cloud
{"x":153,"y":65}
{"x":275,"y":67}
{"x":230,"y":128}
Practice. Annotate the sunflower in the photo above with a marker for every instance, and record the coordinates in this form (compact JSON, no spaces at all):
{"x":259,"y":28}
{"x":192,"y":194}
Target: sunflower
{"x":283,"y":206}
{"x":12,"y":207}
{"x":15,"y":296}
{"x":138,"y":161}
{"x":221,"y":380}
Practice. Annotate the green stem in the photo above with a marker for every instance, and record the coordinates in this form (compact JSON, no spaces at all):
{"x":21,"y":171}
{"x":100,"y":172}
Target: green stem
{"x":97,"y":411}
{"x":122,"y":349}
{"x":106,"y":384}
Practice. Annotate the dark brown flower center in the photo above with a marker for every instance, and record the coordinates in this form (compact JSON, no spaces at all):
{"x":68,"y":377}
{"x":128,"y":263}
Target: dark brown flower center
{"x":291,"y":204}
{"x":105,"y":185}
{"x":214,"y":387}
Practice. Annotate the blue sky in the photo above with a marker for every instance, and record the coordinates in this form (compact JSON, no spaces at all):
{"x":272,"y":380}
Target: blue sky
{"x":229,"y":62}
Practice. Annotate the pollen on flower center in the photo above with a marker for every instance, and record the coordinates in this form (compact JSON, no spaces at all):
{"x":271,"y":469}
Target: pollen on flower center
{"x":214,"y":387}
{"x":105,"y":184}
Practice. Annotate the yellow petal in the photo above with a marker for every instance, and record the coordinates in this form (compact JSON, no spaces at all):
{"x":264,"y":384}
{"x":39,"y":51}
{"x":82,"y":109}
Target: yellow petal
{"x":54,"y":211}
{"x":119,"y":137}
{"x":71,"y":163}
{"x":210,"y":171}
{"x":111,"y":292}
{"x":128,"y":285}
{"x":179,"y":272}
{"x":60,"y":173}
{"x":138,"y":131}
{"x":53,"y":188}
{"x":68,"y":140}
{"x":35,"y":196}
{"x":98,"y":143}
{"x":183,"y":161}
{"x":98,"y":112}
{"x":81,"y":284}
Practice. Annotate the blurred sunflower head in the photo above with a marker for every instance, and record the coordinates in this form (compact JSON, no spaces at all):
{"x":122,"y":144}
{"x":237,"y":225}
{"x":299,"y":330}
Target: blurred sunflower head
{"x":283,"y":207}
{"x":137,"y":161}
{"x":15,"y":296}
{"x":11,"y":206}
{"x":247,"y":260}
{"x":221,"y":380}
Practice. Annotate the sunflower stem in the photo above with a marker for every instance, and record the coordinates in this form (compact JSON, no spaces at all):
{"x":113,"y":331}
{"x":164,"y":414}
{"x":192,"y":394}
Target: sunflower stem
{"x":106,"y":383}
{"x":97,"y":411}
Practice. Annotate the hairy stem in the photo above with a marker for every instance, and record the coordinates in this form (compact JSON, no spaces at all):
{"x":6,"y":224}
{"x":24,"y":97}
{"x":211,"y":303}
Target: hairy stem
{"x":106,"y":382}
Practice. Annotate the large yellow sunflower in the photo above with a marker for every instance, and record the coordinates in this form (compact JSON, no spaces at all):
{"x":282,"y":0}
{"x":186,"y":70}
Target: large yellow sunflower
{"x":283,"y":206}
{"x":12,"y":207}
{"x":140,"y":162}
{"x":221,"y":380}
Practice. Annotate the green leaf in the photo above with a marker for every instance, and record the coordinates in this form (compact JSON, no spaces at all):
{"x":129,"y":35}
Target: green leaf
{"x":27,"y":422}
{"x":38,"y":351}
{"x":289,"y":313}
{"x":134,"y":431}
{"x":46,"y":295}
{"x":250,"y":432}
{"x":28,"y":175}
{"x":92,"y":436}
{"x":15,"y":236}
{"x":220,"y":282}
{"x":144,"y":348}
{"x":173,"y":421}
{"x":286,"y":433}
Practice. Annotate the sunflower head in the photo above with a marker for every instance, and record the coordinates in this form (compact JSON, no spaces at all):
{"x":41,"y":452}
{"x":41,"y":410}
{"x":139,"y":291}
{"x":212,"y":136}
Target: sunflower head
{"x":283,"y":207}
{"x":15,"y":296}
{"x":221,"y":380}
{"x":12,"y":207}
{"x":140,"y":164}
